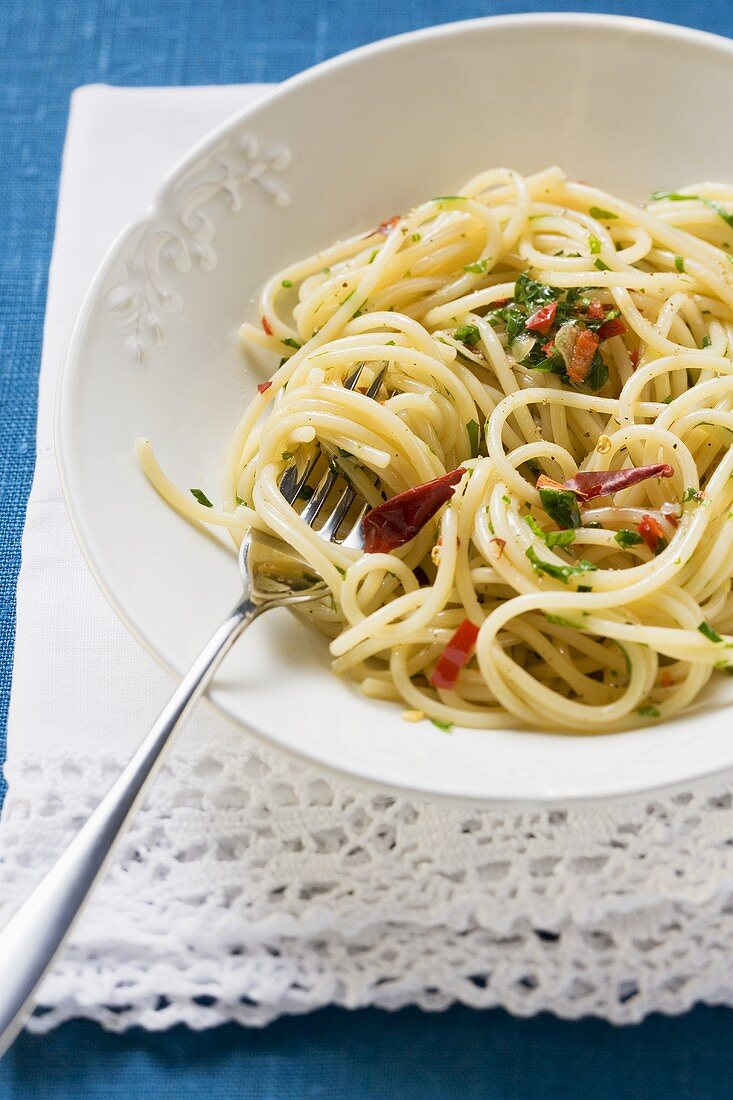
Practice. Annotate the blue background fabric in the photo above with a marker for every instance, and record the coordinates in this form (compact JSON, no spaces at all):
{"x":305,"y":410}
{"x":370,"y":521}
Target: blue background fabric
{"x":48,"y":47}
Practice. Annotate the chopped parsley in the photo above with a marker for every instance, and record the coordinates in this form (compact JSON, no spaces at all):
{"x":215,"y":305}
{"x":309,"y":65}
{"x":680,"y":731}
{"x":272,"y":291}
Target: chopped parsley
{"x":570,"y":305}
{"x":561,"y":505}
{"x":473,"y":435}
{"x":240,"y":503}
{"x":706,"y":342}
{"x":201,"y":497}
{"x":551,"y":538}
{"x":692,"y":494}
{"x":679,"y":263}
{"x":706,"y":629}
{"x":287,"y":455}
{"x":290,"y":343}
{"x":600,"y":265}
{"x":477,"y":268}
{"x":287,"y":282}
{"x":446,"y":727}
{"x":601,"y":214}
{"x":373,"y":256}
{"x":415,"y":237}
{"x":627,"y":538}
{"x":594,"y":244}
{"x":468,"y":335}
{"x":559,"y":572}
{"x":648,"y":711}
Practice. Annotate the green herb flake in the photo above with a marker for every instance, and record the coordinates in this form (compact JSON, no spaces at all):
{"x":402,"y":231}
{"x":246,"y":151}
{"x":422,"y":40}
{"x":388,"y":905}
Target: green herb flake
{"x":373,"y":256}
{"x":648,"y":711}
{"x":240,"y":503}
{"x":561,"y":506}
{"x":505,"y":498}
{"x":287,"y":455}
{"x":601,"y":214}
{"x":290,"y":343}
{"x":692,"y":494}
{"x":679,"y":263}
{"x":559,"y":572}
{"x":594,"y":244}
{"x":706,"y":342}
{"x":446,"y":727}
{"x":473,"y":435}
{"x":706,"y":629}
{"x":626,"y":538}
{"x":448,"y":198}
{"x":600,"y":265}
{"x":287,"y":282}
{"x":201,"y":497}
{"x":477,"y":268}
{"x":390,"y":344}
{"x":468,"y":335}
{"x":550,"y":538}
{"x":584,"y":588}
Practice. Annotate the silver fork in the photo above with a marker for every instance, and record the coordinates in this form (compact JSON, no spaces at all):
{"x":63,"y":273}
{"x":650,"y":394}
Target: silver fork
{"x":272,"y":576}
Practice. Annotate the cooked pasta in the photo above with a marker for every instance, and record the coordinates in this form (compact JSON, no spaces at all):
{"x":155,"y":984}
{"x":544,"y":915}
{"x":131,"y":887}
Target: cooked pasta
{"x":570,"y":356}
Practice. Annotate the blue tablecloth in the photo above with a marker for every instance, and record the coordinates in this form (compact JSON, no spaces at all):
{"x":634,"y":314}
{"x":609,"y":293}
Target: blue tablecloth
{"x":47,"y":47}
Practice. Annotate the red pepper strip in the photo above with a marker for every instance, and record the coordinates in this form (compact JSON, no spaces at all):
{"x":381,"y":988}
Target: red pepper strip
{"x":634,"y":357}
{"x":601,"y":483}
{"x":266,"y":326}
{"x":652,"y":533}
{"x":595,"y":309}
{"x":399,"y":519}
{"x":545,"y":482}
{"x":263,"y":387}
{"x":585,"y":348}
{"x":614,"y":327}
{"x":454,"y":656}
{"x":548,"y":347}
{"x":541,"y":320}
{"x":385,"y":228}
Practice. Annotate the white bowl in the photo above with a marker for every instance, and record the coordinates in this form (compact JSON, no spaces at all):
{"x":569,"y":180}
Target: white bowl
{"x":632,"y":105}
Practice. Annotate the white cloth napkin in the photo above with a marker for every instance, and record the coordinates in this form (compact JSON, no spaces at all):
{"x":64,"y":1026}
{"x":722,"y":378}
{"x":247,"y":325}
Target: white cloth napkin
{"x":251,"y":886}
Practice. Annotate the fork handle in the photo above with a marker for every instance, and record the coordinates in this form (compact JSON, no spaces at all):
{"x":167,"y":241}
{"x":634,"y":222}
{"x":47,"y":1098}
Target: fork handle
{"x":31,"y":940}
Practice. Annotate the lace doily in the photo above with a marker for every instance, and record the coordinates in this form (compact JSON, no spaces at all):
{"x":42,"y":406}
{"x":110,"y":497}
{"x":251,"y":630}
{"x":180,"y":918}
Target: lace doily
{"x":249,"y":886}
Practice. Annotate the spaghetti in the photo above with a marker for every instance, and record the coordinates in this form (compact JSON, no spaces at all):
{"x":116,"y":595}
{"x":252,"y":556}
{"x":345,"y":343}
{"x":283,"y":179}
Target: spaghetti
{"x":567,"y":357}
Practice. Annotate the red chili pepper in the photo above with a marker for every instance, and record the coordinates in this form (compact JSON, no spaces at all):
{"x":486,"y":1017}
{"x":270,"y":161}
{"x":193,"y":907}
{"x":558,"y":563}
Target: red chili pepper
{"x":541,"y":320}
{"x":500,"y":544}
{"x":548,"y":347}
{"x":499,"y":303}
{"x":399,"y":519}
{"x":601,"y":483}
{"x":545,"y":482}
{"x":454,"y":656}
{"x":263,"y":387}
{"x":634,"y":357}
{"x":652,"y":533}
{"x":585,"y":348}
{"x":595,"y":309}
{"x":266,"y":326}
{"x":385,"y":228}
{"x":614,"y":327}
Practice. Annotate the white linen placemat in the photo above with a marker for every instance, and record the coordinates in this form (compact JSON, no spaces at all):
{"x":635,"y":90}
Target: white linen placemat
{"x":251,"y":886}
